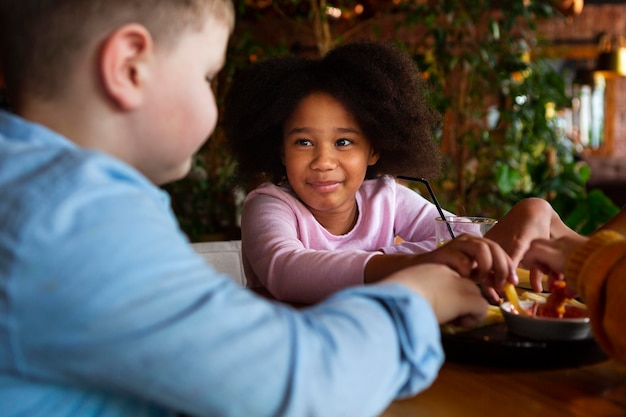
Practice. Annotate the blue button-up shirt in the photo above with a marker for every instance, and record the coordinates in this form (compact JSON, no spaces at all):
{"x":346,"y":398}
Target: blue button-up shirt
{"x":106,"y":310}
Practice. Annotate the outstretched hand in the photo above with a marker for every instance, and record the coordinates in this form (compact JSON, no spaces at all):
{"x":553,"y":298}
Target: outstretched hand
{"x":451,"y":297}
{"x":530,"y":219}
{"x":549,"y":257}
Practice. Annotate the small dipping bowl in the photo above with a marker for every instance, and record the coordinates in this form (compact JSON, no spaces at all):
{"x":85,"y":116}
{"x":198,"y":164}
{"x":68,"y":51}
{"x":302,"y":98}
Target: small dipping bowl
{"x":545,"y":328}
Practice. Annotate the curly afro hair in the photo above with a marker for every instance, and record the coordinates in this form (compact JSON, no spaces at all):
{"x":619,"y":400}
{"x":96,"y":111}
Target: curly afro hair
{"x":377,"y":82}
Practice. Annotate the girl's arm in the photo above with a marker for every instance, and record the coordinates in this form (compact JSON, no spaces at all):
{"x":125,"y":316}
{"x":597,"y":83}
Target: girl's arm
{"x":273,"y":250}
{"x":473,"y":257}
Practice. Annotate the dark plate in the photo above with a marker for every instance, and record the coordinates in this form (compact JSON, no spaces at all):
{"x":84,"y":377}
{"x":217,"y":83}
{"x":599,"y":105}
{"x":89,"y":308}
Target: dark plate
{"x":495,"y":346}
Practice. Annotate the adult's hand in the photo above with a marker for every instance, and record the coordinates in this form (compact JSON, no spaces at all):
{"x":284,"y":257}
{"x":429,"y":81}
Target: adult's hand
{"x":550,"y":256}
{"x":530,"y":219}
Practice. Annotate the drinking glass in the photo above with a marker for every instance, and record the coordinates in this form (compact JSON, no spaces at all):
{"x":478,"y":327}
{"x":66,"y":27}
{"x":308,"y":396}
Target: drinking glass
{"x":449,"y":227}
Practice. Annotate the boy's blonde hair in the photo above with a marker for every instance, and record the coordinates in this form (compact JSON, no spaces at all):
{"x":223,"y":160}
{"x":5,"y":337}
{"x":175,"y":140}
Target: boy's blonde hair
{"x":40,"y":39}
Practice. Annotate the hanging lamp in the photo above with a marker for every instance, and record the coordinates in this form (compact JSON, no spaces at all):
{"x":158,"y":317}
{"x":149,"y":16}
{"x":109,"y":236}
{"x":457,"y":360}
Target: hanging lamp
{"x":611,"y":60}
{"x":569,"y":8}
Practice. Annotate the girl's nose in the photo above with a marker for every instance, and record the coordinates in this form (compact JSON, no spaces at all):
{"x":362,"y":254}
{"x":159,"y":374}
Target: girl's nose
{"x":324,"y":159}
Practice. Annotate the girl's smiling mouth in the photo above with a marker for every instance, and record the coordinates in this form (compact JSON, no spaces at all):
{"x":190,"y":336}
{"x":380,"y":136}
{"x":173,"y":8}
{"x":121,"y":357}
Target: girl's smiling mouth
{"x":325,"y":186}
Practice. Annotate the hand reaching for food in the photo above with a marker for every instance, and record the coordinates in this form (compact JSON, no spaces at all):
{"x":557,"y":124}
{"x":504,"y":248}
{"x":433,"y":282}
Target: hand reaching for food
{"x":480,"y":259}
{"x":451,"y":297}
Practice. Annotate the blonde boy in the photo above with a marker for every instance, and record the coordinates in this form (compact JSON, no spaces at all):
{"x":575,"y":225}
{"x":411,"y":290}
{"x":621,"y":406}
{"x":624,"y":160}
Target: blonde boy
{"x":105,"y":309}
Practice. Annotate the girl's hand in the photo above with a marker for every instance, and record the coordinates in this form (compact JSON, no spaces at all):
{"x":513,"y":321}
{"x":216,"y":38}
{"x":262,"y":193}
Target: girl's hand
{"x":451,"y":297}
{"x":480,"y":259}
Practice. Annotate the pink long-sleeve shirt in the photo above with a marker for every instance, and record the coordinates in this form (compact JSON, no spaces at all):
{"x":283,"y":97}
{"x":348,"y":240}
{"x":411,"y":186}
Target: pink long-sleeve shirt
{"x":286,"y":251}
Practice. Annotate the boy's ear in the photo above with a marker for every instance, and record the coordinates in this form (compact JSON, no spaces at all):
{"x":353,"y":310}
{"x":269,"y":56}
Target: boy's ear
{"x":123,"y":64}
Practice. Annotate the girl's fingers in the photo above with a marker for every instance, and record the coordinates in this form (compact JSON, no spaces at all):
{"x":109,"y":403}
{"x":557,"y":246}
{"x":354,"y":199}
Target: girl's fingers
{"x":482,"y":260}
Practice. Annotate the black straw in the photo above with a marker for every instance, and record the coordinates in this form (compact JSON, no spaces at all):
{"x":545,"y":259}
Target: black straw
{"x":432,"y":195}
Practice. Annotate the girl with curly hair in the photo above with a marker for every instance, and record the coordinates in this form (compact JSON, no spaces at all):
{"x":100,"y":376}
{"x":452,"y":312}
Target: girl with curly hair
{"x":324,"y":138}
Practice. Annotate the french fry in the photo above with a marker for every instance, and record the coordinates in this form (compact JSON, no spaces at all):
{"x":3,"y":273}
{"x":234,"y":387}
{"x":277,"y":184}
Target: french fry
{"x":524,"y":277}
{"x":541,"y":298}
{"x":523,"y":274}
{"x":494,"y":315}
{"x":533,"y":296}
{"x":511,"y":295}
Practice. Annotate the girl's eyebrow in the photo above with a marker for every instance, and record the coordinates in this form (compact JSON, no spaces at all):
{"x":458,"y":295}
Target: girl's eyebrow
{"x":296,"y":130}
{"x":348,"y":130}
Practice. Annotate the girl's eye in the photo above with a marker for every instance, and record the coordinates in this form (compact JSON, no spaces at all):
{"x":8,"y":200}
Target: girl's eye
{"x":303,"y":142}
{"x":343,"y":142}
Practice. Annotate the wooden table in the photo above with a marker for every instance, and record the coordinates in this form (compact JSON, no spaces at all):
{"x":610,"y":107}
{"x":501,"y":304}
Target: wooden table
{"x":461,"y":390}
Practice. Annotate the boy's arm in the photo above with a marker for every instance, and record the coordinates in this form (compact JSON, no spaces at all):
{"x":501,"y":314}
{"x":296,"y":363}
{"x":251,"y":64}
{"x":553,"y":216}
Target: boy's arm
{"x":125,"y":305}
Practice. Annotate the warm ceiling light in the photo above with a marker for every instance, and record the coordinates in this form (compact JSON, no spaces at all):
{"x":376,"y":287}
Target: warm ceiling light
{"x":569,"y":8}
{"x":333,"y":12}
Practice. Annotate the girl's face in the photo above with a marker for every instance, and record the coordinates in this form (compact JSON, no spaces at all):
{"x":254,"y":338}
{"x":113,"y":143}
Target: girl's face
{"x":326,"y":155}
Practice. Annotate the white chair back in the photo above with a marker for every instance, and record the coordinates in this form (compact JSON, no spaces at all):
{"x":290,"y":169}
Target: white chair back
{"x":224,"y":256}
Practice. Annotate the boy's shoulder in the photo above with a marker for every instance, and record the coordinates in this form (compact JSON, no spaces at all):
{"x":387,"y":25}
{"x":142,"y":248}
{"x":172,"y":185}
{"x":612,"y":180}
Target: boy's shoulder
{"x":42,"y":171}
{"x":39,"y":155}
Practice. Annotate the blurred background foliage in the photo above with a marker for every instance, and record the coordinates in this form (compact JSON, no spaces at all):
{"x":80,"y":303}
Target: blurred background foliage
{"x":501,"y":139}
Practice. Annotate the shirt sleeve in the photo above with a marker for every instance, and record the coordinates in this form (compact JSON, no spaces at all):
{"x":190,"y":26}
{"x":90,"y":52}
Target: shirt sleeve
{"x":289,"y":270}
{"x":118,"y":301}
{"x":597,"y":270}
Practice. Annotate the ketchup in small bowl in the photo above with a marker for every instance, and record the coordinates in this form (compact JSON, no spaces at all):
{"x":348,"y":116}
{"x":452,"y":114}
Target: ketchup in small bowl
{"x":540,"y":324}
